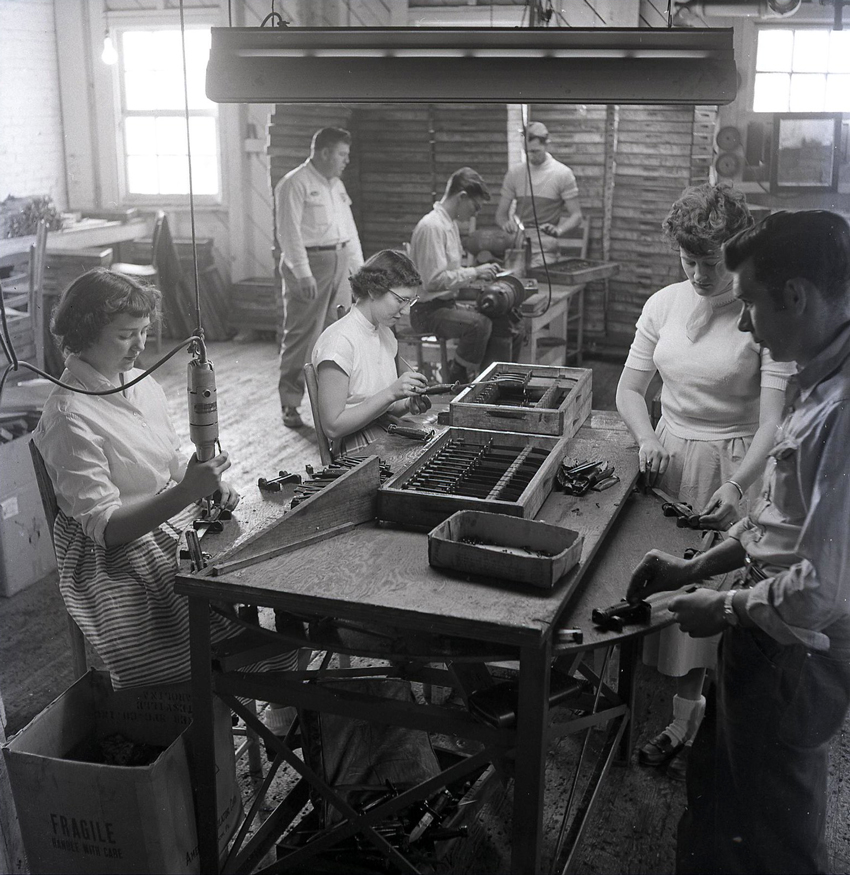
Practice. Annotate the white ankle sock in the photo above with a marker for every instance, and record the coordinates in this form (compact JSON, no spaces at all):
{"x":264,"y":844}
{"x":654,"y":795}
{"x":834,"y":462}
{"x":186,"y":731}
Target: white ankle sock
{"x":279,"y":718}
{"x":687,"y":716}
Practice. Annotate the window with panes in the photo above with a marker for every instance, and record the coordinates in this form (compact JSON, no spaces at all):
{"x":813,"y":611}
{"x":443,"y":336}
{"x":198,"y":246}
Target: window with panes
{"x":153,"y":120}
{"x":802,"y":70}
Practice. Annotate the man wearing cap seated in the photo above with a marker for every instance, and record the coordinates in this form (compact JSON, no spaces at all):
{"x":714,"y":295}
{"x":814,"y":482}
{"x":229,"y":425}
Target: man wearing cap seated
{"x":436,"y":250}
{"x":555,"y":210}
{"x":319,"y":250}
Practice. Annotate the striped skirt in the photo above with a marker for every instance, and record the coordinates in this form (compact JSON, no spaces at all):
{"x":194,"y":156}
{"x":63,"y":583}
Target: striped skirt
{"x":123,"y":599}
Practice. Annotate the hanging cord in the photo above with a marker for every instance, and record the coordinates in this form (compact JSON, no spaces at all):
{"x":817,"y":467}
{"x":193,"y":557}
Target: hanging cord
{"x":669,"y":13}
{"x":534,"y":207}
{"x":15,"y":364}
{"x":275,"y":19}
{"x":200,"y":329}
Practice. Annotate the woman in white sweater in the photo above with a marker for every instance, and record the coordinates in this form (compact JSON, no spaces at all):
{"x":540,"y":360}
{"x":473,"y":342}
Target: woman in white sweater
{"x":721,"y":399}
{"x":355,"y":358}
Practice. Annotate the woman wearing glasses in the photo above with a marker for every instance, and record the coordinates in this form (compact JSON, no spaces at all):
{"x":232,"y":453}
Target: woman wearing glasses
{"x":355,"y":358}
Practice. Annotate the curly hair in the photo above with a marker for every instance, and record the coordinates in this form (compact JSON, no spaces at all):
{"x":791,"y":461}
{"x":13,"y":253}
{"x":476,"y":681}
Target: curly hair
{"x":705,"y":217}
{"x":385,"y":270}
{"x":93,"y":300}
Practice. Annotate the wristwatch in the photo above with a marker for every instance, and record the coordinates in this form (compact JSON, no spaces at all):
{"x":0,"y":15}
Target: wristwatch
{"x":728,"y":610}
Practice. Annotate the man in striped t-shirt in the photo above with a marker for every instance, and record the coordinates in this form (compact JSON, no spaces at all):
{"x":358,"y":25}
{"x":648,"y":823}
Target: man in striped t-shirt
{"x":555,"y":210}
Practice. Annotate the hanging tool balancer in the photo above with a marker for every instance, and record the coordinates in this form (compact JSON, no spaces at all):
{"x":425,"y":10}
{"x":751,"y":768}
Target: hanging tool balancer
{"x":203,"y":403}
{"x":203,"y":425}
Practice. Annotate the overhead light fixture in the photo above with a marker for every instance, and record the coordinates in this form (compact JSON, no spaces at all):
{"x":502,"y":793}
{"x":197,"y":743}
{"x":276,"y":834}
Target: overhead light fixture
{"x":109,"y":55}
{"x":471,"y":65}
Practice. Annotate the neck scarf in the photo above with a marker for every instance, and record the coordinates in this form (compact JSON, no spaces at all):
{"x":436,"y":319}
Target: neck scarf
{"x":703,"y":313}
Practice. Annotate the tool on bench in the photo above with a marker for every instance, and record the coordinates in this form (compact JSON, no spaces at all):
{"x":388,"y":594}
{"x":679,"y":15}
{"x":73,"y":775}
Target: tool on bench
{"x":417,"y":434}
{"x":193,"y":551}
{"x":505,"y":381}
{"x":568,"y":636}
{"x":579,"y":478}
{"x":686,"y":517}
{"x":615,"y":617}
{"x":278,"y":482}
{"x":212,"y":518}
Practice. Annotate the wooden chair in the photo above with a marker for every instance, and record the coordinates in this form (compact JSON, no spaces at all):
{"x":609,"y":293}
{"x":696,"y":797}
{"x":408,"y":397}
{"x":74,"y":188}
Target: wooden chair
{"x":51,"y":509}
{"x":312,"y":381}
{"x":147,"y":273}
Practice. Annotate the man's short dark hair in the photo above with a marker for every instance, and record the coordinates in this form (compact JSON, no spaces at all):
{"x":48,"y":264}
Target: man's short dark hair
{"x":808,"y":244}
{"x":327,"y":138}
{"x":466,"y":179}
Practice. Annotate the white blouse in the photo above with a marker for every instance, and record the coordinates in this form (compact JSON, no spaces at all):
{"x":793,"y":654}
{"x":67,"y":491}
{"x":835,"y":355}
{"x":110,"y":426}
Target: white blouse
{"x":366,"y":352}
{"x":105,"y":452}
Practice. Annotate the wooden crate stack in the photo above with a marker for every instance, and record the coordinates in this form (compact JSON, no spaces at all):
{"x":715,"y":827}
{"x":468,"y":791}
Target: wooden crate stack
{"x":60,"y":270}
{"x":257,"y":303}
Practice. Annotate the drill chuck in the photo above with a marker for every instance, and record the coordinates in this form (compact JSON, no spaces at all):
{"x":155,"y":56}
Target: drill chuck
{"x":203,"y":408}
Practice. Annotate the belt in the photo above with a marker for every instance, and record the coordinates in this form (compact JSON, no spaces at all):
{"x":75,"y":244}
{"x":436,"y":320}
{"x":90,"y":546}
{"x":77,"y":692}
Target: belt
{"x":331,"y":247}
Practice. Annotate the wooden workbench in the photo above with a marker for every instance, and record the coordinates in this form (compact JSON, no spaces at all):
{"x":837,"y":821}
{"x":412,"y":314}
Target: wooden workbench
{"x":84,"y":235}
{"x":559,"y":322}
{"x":381,"y":576}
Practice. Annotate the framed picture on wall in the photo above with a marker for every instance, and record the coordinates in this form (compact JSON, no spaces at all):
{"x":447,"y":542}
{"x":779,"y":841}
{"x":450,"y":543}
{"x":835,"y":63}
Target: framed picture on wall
{"x":805,"y":152}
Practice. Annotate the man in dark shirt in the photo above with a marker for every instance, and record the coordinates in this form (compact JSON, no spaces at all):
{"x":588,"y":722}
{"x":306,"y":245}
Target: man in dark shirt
{"x":757,"y":773}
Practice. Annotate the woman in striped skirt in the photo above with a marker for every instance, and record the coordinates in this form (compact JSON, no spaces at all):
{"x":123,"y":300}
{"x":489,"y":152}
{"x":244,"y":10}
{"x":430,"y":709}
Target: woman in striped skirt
{"x":125,"y":494}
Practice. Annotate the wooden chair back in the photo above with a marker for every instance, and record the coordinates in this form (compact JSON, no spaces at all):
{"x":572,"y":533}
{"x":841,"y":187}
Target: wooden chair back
{"x":312,"y":381}
{"x":156,"y":238}
{"x":38,"y":256}
{"x":51,"y":509}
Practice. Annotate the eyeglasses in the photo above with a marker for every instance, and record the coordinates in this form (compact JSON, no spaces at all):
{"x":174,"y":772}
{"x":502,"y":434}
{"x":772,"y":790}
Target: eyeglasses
{"x":405,"y":302}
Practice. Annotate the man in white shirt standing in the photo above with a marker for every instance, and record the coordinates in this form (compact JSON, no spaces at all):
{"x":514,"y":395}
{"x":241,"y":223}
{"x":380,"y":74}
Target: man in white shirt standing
{"x":556,"y":209}
{"x":319,"y":249}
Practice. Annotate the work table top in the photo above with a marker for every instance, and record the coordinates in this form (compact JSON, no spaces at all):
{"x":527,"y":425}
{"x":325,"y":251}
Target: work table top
{"x":378,"y":573}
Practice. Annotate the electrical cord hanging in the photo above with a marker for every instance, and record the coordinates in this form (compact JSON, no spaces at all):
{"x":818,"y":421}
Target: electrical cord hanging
{"x":199,"y":330}
{"x":275,"y":19}
{"x":14,"y":364}
{"x":534,"y":208}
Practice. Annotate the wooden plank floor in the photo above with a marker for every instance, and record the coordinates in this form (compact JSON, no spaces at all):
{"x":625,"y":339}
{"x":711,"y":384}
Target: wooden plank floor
{"x":634,"y":829}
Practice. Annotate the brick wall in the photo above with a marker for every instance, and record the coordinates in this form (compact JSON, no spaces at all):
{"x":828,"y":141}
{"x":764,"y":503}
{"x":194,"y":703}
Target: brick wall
{"x":32,"y":160}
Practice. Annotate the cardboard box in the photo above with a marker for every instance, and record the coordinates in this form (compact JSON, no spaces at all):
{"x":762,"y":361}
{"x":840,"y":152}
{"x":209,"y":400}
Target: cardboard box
{"x":82,"y":817}
{"x":26,"y":548}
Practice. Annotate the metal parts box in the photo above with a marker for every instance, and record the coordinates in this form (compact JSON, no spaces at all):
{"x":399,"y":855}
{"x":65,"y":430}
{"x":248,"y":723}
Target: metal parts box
{"x":574,"y":271}
{"x":466,"y":469}
{"x":500,"y":546}
{"x":556,"y":400}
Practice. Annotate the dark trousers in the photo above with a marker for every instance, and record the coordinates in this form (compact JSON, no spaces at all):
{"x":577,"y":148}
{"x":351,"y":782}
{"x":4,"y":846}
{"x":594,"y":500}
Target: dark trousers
{"x":481,"y":341}
{"x":757,"y":773}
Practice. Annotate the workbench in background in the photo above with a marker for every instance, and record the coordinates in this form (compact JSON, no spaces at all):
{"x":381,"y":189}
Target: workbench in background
{"x":562,"y":321}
